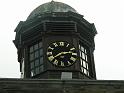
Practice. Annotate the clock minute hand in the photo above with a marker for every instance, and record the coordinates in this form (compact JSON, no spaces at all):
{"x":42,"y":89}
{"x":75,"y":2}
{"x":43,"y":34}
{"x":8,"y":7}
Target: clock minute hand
{"x":62,"y":53}
{"x":58,"y":54}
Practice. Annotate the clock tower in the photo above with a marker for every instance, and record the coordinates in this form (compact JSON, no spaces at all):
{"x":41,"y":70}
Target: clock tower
{"x":55,"y":42}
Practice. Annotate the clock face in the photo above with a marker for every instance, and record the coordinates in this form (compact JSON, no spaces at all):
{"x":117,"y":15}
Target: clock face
{"x":61,"y":54}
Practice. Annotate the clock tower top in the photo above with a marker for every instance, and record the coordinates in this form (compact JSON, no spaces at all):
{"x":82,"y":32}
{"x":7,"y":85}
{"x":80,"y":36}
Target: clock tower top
{"x":56,"y":42}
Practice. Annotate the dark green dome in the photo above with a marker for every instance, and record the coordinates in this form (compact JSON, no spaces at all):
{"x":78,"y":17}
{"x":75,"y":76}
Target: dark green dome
{"x":51,"y":7}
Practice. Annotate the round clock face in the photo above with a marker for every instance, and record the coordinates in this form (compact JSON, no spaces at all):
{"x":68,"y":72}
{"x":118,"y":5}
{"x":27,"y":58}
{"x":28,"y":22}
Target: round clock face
{"x":61,"y":54}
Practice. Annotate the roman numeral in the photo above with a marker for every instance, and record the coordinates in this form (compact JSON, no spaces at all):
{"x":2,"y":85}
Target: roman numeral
{"x":73,"y":59}
{"x":50,"y":48}
{"x":72,"y":48}
{"x":67,"y":45}
{"x":55,"y":44}
{"x":74,"y":53}
{"x":62,"y":64}
{"x":51,"y":58}
{"x":55,"y":62}
{"x":69,"y":63}
{"x":61,"y":43}
{"x":49,"y":53}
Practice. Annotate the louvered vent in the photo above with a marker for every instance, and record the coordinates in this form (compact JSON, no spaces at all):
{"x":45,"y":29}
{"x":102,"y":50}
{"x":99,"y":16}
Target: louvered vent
{"x":60,"y":26}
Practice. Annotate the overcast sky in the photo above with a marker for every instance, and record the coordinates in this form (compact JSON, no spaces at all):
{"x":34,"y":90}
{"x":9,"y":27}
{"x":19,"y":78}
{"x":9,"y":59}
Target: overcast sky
{"x":108,"y":16}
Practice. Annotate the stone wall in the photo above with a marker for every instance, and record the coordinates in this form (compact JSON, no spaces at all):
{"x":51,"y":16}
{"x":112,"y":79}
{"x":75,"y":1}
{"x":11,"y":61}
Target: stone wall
{"x":60,"y":86}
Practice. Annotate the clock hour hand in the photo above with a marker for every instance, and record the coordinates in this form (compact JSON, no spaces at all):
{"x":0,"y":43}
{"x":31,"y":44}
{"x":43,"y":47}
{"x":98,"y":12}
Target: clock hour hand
{"x":67,"y":52}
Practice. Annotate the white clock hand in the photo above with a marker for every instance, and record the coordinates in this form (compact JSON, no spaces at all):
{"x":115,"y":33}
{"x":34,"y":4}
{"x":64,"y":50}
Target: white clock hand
{"x":67,"y":52}
{"x":58,"y":54}
{"x":63,"y":53}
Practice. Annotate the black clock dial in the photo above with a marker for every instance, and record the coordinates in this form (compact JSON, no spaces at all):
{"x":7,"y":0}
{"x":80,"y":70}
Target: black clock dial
{"x":61,"y":54}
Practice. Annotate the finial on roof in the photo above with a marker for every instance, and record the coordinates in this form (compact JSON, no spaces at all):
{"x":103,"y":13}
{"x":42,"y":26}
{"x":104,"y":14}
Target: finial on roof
{"x":52,"y":1}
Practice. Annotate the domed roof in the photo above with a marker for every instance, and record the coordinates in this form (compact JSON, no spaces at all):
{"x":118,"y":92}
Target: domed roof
{"x":51,"y":7}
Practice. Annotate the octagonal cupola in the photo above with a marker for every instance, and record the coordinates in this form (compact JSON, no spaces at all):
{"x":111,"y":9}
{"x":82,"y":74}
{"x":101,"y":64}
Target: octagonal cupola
{"x":56,"y":42}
